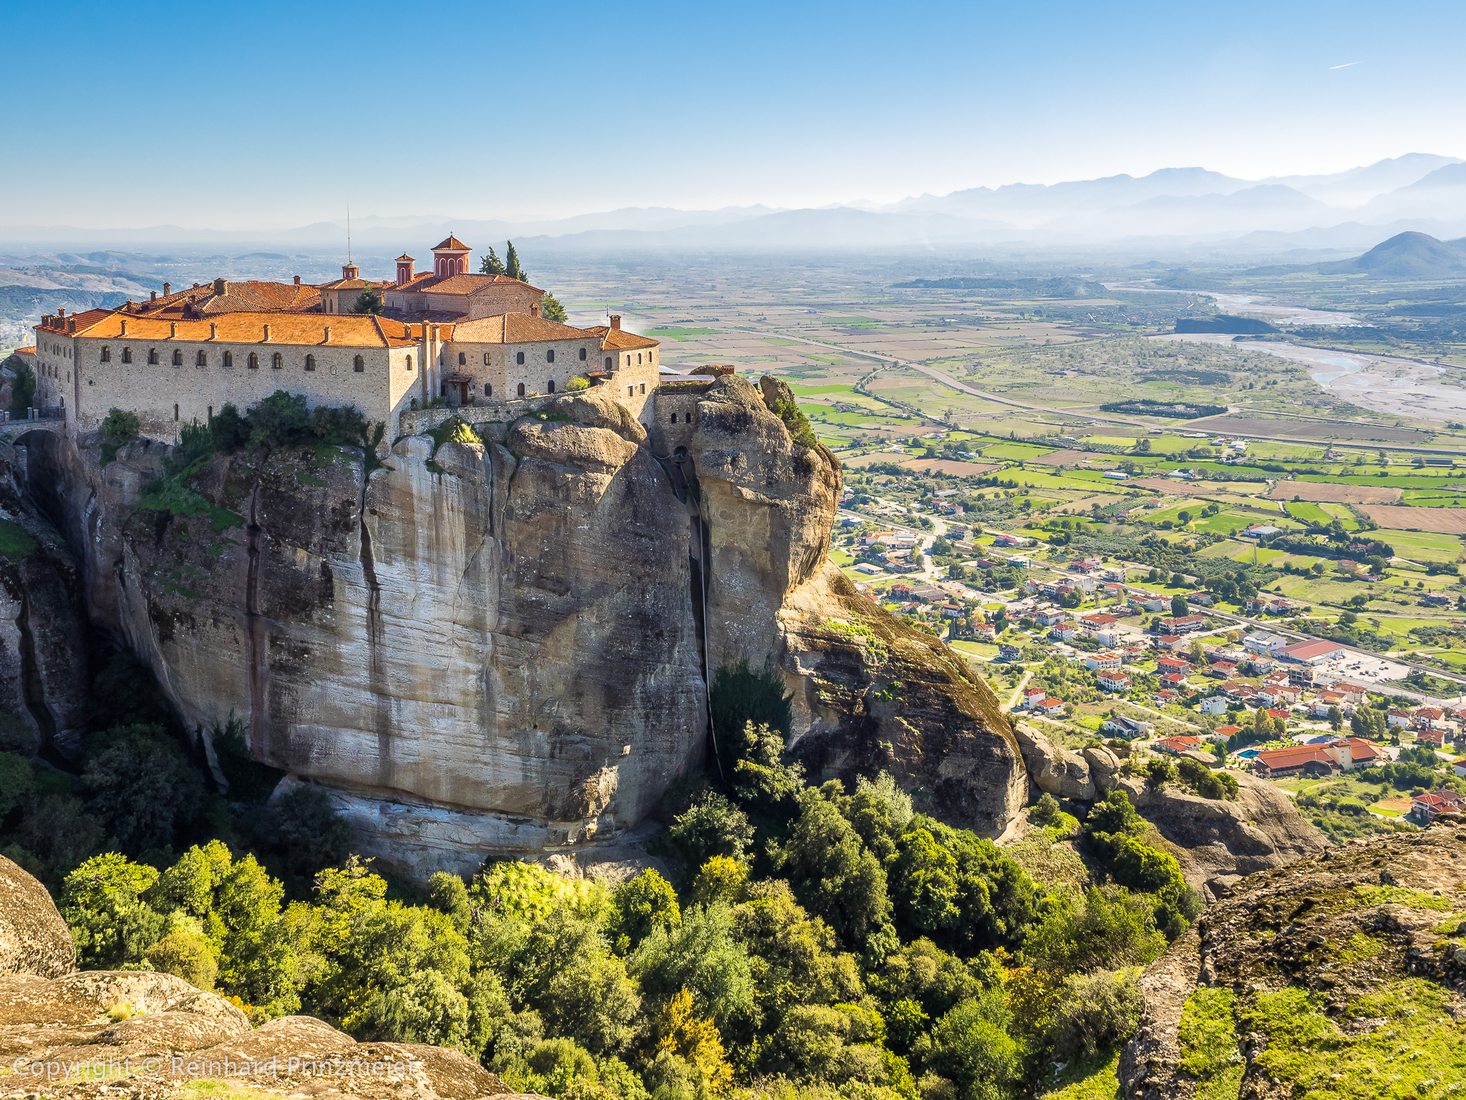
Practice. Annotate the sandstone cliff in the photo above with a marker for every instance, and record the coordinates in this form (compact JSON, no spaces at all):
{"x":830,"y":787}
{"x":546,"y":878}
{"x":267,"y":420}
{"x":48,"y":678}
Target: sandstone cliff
{"x":504,"y":646}
{"x":138,"y":1035}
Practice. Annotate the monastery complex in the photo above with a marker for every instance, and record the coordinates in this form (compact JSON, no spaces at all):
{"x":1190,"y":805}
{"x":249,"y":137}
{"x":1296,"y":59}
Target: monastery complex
{"x":444,"y":336}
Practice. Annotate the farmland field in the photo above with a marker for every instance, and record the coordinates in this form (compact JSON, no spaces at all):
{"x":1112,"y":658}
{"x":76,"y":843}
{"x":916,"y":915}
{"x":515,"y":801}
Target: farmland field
{"x":1405,"y":518}
{"x":1329,"y":491}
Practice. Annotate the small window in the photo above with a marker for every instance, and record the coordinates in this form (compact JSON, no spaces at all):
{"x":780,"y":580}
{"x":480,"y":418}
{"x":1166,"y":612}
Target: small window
{"x":106,"y":355}
{"x":486,"y":359}
{"x":462,"y":359}
{"x":409,"y":362}
{"x":582,"y":355}
{"x":519,"y":358}
{"x":608,"y":362}
{"x":638,"y":359}
{"x":550,"y":356}
{"x":643,"y":387}
{"x":177,"y":357}
{"x":550,"y":386}
{"x":127,"y":355}
{"x":310,"y":362}
{"x":211,"y":414}
{"x":254,"y":361}
{"x":229,"y":359}
{"x":630,"y":391}
{"x":202,"y":358}
{"x":175,"y":412}
{"x":277,"y":361}
{"x":488,"y":390}
{"x":153,"y":355}
{"x":674,"y":418}
{"x":521,"y":389}
{"x":358,"y":364}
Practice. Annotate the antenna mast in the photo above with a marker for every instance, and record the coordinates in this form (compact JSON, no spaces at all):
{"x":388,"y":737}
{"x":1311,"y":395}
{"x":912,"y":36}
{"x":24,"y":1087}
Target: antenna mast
{"x":348,"y":232}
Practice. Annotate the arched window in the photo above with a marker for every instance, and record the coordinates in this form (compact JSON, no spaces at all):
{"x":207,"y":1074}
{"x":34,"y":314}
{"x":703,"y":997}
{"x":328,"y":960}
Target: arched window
{"x":277,"y":361}
{"x":550,"y":386}
{"x":409,"y":362}
{"x":674,"y":418}
{"x":462,"y":359}
{"x":638,"y":359}
{"x":152,"y":355}
{"x":521,"y":389}
{"x":229,"y":359}
{"x":202,"y":359}
{"x":486,"y":359}
{"x":310,"y":362}
{"x":175,"y":412}
{"x":177,"y":357}
{"x":582,"y":355}
{"x":358,"y":364}
{"x":488,"y":390}
{"x":254,"y":361}
{"x":608,"y":362}
{"x":550,"y":356}
{"x":106,"y":354}
{"x":127,"y":355}
{"x":519,"y":358}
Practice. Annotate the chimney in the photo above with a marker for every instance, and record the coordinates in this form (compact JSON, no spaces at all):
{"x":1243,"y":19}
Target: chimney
{"x":534,"y":309}
{"x":616,"y":322}
{"x":267,"y":334}
{"x":172,"y":330}
{"x":221,"y":287}
{"x":152,"y":295}
{"x":167,"y":289}
{"x":213,"y":331}
{"x":297,"y":280}
{"x":61,"y":312}
{"x":124,"y":327}
{"x":327,"y":340}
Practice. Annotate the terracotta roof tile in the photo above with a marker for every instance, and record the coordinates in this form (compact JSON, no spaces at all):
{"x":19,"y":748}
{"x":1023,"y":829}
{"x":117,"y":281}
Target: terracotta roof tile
{"x":286,"y":329}
{"x":467,"y":283}
{"x":516,"y":328}
{"x":616,"y":339}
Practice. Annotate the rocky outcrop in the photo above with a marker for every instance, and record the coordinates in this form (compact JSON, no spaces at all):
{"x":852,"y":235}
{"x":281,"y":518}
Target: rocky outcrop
{"x":1053,"y":769}
{"x":1338,"y":975}
{"x":139,"y":1035}
{"x":504,"y":645}
{"x":1218,"y":840}
{"x":33,"y":938}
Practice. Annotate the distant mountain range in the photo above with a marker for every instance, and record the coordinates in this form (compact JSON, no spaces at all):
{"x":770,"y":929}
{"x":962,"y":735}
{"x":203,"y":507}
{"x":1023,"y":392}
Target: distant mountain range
{"x":1168,"y":210}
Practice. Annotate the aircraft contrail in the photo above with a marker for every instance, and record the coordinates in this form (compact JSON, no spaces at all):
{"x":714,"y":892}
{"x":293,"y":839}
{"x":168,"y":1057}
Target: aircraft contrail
{"x":1345,"y":65}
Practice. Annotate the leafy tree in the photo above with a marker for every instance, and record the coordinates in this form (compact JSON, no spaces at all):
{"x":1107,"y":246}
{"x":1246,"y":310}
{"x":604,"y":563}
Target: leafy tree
{"x":552,"y":309}
{"x":833,"y":872}
{"x":694,"y":1039}
{"x":640,"y":904}
{"x":1104,"y":929}
{"x":22,"y":386}
{"x":923,"y":883}
{"x":741,"y":694}
{"x":229,"y":429}
{"x":491,"y":264}
{"x":796,"y":959}
{"x":762,"y":779}
{"x":703,"y":956}
{"x":448,"y":894}
{"x":720,"y":879}
{"x":879,"y":811}
{"x":1179,"y":606}
{"x":300,"y":832}
{"x":184,"y":951}
{"x":102,"y":901}
{"x":970,"y":1047}
{"x":142,"y":788}
{"x":17,"y":782}
{"x":712,"y":826}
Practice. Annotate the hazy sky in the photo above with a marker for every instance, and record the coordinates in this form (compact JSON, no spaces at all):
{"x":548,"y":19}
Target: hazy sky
{"x":272,"y":114}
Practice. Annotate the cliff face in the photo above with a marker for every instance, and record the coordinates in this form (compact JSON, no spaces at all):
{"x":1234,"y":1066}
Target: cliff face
{"x":500,"y":646}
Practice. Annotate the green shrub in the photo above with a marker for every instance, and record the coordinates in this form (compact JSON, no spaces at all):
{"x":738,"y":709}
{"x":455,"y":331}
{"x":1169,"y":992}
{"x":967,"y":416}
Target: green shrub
{"x":118,"y":428}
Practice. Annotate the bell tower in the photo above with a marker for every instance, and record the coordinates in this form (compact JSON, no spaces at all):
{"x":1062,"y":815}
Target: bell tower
{"x":450,"y":257}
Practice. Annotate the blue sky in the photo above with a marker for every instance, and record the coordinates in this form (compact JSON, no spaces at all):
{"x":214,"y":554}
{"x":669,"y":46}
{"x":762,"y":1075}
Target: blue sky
{"x":270,"y":114}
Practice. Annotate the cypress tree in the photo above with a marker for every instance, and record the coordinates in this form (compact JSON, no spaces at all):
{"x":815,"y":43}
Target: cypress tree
{"x":511,"y":263}
{"x":492,"y":265}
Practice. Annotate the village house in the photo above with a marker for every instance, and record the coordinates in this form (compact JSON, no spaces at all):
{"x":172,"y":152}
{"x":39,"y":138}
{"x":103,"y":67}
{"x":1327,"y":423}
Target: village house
{"x":1339,"y":754}
{"x":1129,"y":728}
{"x":1429,"y":805}
{"x":1113,"y":680}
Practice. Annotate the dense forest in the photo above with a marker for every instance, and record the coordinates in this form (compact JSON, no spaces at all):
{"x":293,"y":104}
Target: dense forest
{"x":785,"y":938}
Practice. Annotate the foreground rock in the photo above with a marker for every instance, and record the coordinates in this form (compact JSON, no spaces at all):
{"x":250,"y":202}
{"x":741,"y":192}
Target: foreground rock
{"x":1340,"y":975}
{"x":137,"y":1034}
{"x":504,"y":646}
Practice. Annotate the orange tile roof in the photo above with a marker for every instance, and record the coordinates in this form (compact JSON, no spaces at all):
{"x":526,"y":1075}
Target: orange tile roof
{"x":298,"y":329}
{"x":354,"y":284}
{"x":515,"y":328}
{"x":465,"y":284}
{"x":31,"y":350}
{"x":616,"y":339}
{"x":241,"y":296}
{"x":451,"y":243}
{"x":406,"y":257}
